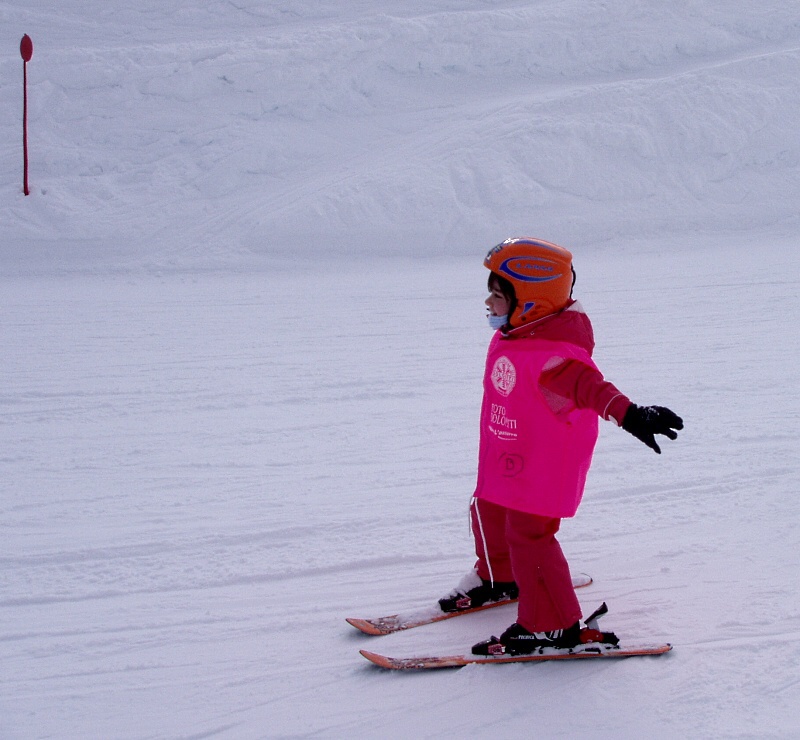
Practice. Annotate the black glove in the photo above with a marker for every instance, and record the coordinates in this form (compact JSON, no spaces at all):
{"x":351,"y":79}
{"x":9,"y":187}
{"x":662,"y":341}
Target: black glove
{"x":645,"y":421}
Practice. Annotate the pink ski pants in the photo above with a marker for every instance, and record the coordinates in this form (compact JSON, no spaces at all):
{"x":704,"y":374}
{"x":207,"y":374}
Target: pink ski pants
{"x":515,"y":546}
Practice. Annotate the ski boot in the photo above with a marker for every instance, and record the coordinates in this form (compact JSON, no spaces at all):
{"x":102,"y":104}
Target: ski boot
{"x":516,"y":640}
{"x":474,"y":591}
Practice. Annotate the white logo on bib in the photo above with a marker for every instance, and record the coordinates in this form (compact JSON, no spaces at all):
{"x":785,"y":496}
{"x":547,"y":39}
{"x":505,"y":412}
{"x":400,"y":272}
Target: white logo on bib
{"x":504,"y":376}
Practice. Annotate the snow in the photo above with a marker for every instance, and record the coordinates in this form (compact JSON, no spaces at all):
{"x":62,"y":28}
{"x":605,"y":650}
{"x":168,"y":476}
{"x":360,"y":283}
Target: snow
{"x":243,"y":336}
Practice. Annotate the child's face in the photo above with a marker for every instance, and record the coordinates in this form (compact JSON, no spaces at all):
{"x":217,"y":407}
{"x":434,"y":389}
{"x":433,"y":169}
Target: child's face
{"x":497,"y":303}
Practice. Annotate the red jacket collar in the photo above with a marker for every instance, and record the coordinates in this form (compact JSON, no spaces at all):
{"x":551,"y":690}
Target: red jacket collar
{"x":570,"y":324}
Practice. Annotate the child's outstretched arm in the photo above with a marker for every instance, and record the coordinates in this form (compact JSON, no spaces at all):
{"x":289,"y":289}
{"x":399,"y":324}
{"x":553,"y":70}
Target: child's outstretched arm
{"x":643,"y":422}
{"x":585,"y":387}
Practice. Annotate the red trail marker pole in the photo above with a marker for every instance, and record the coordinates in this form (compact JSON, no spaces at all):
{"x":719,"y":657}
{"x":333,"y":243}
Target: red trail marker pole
{"x":26,"y":51}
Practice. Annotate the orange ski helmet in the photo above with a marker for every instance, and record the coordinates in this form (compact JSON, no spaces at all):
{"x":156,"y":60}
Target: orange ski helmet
{"x":540,"y":272}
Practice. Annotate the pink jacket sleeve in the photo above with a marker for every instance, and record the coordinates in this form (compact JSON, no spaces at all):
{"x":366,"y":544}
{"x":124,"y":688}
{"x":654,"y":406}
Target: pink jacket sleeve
{"x":585,"y":387}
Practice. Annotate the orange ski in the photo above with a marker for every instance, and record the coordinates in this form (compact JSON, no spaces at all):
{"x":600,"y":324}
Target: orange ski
{"x":429,"y":615}
{"x":585,"y":652}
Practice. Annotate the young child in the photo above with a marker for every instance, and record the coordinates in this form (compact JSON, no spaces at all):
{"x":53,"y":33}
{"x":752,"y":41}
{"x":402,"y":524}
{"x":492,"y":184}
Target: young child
{"x":543,"y":395}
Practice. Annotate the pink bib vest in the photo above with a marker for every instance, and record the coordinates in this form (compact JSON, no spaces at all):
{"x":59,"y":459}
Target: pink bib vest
{"x":532,"y":459}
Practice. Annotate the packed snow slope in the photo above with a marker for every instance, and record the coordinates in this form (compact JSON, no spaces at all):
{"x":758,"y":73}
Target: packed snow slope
{"x":180,"y":130}
{"x":242,"y":342}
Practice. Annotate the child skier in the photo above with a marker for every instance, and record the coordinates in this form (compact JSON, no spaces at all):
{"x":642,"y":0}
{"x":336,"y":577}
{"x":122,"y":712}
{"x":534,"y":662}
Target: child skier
{"x":543,"y":395}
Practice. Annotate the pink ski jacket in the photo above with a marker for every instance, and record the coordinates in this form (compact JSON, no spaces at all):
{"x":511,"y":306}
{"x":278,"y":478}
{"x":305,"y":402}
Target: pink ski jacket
{"x":536,"y":445}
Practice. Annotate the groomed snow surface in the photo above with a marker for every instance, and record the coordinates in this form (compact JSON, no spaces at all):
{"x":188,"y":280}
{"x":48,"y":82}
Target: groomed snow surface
{"x":243,"y":338}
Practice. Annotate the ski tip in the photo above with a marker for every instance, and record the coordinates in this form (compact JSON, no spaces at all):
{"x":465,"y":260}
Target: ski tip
{"x":364,"y":625}
{"x":379,"y":660}
{"x":412,"y":664}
